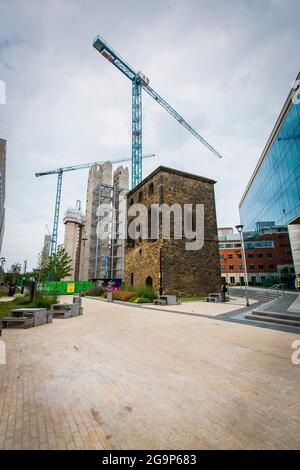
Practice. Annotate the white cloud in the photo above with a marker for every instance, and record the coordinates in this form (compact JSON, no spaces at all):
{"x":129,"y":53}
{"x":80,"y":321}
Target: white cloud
{"x":225,"y":66}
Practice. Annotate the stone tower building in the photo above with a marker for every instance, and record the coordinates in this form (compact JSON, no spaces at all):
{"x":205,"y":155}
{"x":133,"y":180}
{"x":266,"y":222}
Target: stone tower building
{"x":165,"y":263}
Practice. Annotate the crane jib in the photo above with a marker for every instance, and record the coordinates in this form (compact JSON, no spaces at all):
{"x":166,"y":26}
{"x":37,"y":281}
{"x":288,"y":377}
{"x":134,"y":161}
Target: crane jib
{"x":140,"y":79}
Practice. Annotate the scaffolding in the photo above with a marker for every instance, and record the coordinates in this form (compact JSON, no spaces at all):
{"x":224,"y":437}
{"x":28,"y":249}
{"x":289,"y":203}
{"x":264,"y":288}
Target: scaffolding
{"x":107,"y":252}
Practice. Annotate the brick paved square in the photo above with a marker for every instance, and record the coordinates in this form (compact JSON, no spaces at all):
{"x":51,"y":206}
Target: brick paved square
{"x":132,"y":378}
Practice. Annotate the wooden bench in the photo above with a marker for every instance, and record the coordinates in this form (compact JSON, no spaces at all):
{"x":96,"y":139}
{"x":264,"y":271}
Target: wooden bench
{"x":14,"y":322}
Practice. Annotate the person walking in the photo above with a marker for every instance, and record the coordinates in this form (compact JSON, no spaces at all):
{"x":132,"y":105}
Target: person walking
{"x":223,"y":292}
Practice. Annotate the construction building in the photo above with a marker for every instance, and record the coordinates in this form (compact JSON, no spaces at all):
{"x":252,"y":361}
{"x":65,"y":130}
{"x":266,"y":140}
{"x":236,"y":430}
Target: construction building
{"x":166,"y":263}
{"x":268,"y":256}
{"x":103,"y":259}
{"x":2,"y":188}
{"x":73,"y":239}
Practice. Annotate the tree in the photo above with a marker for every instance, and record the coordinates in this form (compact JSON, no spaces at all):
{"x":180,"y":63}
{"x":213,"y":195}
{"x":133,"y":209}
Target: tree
{"x":43,"y":259}
{"x":58,"y":266}
{"x":13,"y":273}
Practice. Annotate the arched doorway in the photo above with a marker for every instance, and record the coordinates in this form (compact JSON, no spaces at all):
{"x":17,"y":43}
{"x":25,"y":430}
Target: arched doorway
{"x":149,"y":281}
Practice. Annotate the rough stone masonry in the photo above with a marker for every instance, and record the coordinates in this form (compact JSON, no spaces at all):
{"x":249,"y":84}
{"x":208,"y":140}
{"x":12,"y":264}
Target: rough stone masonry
{"x":165,"y":263}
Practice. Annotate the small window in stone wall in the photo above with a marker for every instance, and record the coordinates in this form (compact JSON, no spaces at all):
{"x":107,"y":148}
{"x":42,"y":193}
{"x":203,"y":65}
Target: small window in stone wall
{"x":140,"y":196}
{"x":131,"y":202}
{"x":141,"y":251}
{"x":149,"y":281}
{"x":151,"y":188}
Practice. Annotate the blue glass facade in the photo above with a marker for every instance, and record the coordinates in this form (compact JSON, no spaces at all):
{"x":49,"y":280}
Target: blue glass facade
{"x":274,"y":194}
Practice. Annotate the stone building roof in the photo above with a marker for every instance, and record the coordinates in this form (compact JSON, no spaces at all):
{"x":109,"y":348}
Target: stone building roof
{"x":173,"y":171}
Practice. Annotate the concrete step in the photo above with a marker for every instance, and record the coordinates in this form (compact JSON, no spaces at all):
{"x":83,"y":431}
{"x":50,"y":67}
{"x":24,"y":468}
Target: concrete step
{"x":283,"y":315}
{"x":272,"y":319}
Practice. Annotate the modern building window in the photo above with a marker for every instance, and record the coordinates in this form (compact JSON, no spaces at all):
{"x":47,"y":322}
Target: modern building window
{"x":269,"y":255}
{"x":271,"y":200}
{"x":232,"y":280}
{"x":230,"y":256}
{"x":222,"y":267}
{"x":221,"y":256}
{"x":250,"y":255}
{"x":251,"y":266}
{"x":240,"y":267}
{"x":271,"y":266}
{"x":261,"y":267}
{"x":239,"y":255}
{"x":260,"y":255}
{"x":231,"y":267}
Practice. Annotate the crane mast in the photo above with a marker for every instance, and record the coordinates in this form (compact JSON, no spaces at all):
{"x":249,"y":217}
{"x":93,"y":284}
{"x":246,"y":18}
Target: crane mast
{"x":59,"y":172}
{"x":139,"y":82}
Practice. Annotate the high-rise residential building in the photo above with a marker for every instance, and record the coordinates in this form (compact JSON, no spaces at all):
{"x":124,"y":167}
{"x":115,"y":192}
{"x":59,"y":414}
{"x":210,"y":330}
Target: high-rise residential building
{"x":272,"y":196}
{"x":74,"y":226}
{"x":104,"y":259}
{"x":2,"y":188}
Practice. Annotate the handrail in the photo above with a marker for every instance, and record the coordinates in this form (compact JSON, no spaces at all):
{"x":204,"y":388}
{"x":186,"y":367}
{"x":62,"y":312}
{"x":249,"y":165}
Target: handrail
{"x":266,"y":292}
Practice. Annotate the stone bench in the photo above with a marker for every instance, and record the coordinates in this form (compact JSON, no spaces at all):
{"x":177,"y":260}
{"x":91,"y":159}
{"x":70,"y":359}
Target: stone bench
{"x":214,"y":297}
{"x":167,"y":300}
{"x":38,"y":315}
{"x":66,"y":310}
{"x":14,"y":322}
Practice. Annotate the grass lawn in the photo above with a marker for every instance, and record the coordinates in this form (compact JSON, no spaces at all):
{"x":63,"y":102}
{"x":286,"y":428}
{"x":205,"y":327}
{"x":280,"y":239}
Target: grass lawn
{"x":190,"y":299}
{"x":6,"y":307}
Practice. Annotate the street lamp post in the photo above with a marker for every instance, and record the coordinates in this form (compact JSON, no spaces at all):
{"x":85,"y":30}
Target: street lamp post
{"x":240,"y":230}
{"x":2,"y":261}
{"x":24,"y":274}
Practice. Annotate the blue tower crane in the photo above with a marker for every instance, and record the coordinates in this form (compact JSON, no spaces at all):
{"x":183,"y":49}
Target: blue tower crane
{"x":139,"y":82}
{"x":59,"y":172}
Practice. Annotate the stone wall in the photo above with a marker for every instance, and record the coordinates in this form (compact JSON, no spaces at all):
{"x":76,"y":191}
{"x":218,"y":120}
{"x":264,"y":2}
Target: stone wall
{"x":173,"y":268}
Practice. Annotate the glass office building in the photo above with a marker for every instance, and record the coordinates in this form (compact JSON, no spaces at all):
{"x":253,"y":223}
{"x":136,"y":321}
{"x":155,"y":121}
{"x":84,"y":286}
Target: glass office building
{"x":272,"y":197}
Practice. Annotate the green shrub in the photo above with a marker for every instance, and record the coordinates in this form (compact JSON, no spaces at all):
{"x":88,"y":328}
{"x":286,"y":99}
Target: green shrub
{"x":94,"y":291}
{"x":145,"y":292}
{"x":124,"y":295}
{"x":140,"y":300}
{"x":44,"y":301}
{"x":22,"y":299}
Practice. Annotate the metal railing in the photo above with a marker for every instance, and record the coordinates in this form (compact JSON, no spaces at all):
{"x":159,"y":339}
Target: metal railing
{"x":272,"y":293}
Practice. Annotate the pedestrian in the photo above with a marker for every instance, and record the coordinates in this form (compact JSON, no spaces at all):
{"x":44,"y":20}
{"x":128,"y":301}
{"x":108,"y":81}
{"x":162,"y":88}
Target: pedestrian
{"x":223,"y":292}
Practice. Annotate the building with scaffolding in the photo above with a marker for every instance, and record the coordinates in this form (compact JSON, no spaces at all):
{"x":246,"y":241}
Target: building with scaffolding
{"x":73,"y":239}
{"x":103,"y":257}
{"x":2,"y":188}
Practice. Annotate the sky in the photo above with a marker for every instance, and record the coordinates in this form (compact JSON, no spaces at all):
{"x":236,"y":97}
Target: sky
{"x":225,"y":66}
